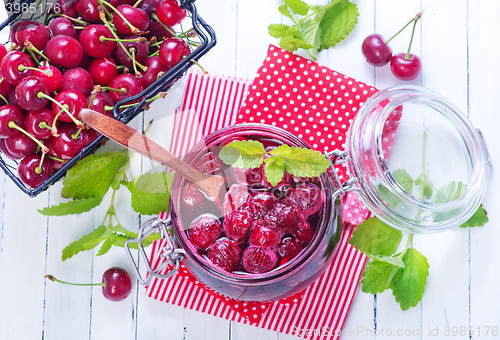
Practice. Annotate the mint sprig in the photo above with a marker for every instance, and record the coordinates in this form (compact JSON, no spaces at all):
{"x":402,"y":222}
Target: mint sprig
{"x":250,"y":154}
{"x":314,"y":28}
{"x":405,"y":272}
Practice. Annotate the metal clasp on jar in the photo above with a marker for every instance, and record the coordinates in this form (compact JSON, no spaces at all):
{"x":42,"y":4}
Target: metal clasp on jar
{"x":172,"y":256}
{"x":337,"y":157}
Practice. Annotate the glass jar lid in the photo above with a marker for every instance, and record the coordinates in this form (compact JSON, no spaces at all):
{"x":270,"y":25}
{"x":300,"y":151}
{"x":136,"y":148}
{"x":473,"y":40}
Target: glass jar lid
{"x":421,"y":165}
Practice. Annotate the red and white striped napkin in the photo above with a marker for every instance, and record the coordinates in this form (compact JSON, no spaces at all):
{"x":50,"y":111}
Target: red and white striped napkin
{"x":315,"y":103}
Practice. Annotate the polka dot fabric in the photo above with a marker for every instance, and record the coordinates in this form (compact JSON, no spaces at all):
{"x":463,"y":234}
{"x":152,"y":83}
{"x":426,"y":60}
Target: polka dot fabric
{"x":305,"y":98}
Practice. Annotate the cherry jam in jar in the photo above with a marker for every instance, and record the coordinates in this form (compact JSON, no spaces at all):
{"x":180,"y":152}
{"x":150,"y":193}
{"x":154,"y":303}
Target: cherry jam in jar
{"x":263,"y":242}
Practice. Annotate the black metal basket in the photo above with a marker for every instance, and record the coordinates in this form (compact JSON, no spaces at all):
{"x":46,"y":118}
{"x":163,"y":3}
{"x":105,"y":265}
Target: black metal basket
{"x":207,"y":39}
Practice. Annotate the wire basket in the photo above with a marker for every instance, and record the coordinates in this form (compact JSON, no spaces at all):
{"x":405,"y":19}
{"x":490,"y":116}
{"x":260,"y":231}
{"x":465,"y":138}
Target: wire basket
{"x":206,"y":39}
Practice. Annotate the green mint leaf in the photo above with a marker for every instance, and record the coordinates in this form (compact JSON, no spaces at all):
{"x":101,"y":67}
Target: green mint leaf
{"x":119,"y":240}
{"x":377,"y":277}
{"x":120,"y":229}
{"x":92,"y":176}
{"x":282,"y":30}
{"x":404,"y":179}
{"x":312,"y":32}
{"x":394,"y":260}
{"x":302,"y":162}
{"x":298,"y":6}
{"x":283,"y":9}
{"x":79,"y":245}
{"x":291,"y":37}
{"x":150,"y":193}
{"x":274,"y":170}
{"x":72,"y":207}
{"x":338,"y":21}
{"x":477,"y":220}
{"x":426,"y":185}
{"x":248,"y":154}
{"x":376,"y":238}
{"x":408,"y":284}
{"x":449,"y":192}
{"x":292,"y":44}
{"x":106,"y":245}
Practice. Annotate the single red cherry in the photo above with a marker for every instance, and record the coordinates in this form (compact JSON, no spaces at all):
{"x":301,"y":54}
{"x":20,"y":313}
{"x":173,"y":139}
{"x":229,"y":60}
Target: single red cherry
{"x":8,"y":114}
{"x":33,"y":171}
{"x":191,"y":195}
{"x":77,"y":79}
{"x":103,"y":70}
{"x":225,"y":254}
{"x":406,"y":67}
{"x":15,"y":66}
{"x":51,"y":76}
{"x":172,"y":51}
{"x":32,"y":31}
{"x":94,"y":41}
{"x":203,"y":231}
{"x":88,"y":10}
{"x":238,"y":224}
{"x":137,"y":17}
{"x":170,"y":13}
{"x":116,"y":283}
{"x":20,"y":145}
{"x":39,"y":123}
{"x":307,"y":197}
{"x":375,"y":50}
{"x":154,"y":66}
{"x":101,"y":102}
{"x":61,"y":26}
{"x":258,"y":260}
{"x":261,"y":204}
{"x":264,"y":236}
{"x":128,"y":85}
{"x":289,"y":247}
{"x":27,"y":93}
{"x":287,"y":216}
{"x":139,"y":50}
{"x":70,"y":141}
{"x":64,"y":51}
{"x":73,"y":100}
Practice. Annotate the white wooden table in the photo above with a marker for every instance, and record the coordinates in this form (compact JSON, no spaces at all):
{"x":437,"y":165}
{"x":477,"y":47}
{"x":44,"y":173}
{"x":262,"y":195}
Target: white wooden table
{"x":458,"y":43}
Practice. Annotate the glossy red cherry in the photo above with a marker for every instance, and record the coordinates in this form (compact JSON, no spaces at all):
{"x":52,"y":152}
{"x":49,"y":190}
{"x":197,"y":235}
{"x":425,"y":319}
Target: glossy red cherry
{"x":27,"y":93}
{"x":264,"y":236}
{"x":39,"y":123}
{"x":225,"y":254}
{"x":405,"y":68}
{"x":261,"y":204}
{"x":88,"y":10}
{"x":10,"y":113}
{"x":51,"y":76}
{"x":5,"y":152}
{"x":172,"y":51}
{"x":170,"y":13}
{"x":238,"y":224}
{"x":289,"y":247}
{"x":32,"y":171}
{"x":64,"y":51}
{"x":375,"y":50}
{"x":32,"y":31}
{"x":128,"y":83}
{"x":137,"y":17}
{"x":192,"y":196}
{"x":204,"y":231}
{"x":101,"y":102}
{"x":103,"y":70}
{"x":139,"y":50}
{"x":117,"y":284}
{"x":287,"y":216}
{"x":154,"y":66}
{"x":307,"y":197}
{"x":14,"y":65}
{"x":93,"y":43}
{"x":77,"y":79}
{"x":20,"y":145}
{"x":257,"y":260}
{"x":61,"y":26}
{"x":70,"y":142}
{"x":73,"y":100}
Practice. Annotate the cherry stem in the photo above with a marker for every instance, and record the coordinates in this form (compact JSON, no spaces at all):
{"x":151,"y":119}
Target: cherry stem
{"x":137,"y":3}
{"x":159,"y":95}
{"x":76,"y":134}
{"x":132,"y":53}
{"x":199,"y":65}
{"x":12,"y":124}
{"x":108,"y":108}
{"x":79,"y":27}
{"x":53,"y":128}
{"x":138,"y":39}
{"x":76,"y":121}
{"x":93,"y":94}
{"x":407,"y":57}
{"x":113,"y":89}
{"x":134,"y":30}
{"x":57,"y":159}
{"x":30,"y":46}
{"x":5,"y":100}
{"x":103,"y":18}
{"x":415,"y":18}
{"x":81,"y":22}
{"x":44,"y":125}
{"x":53,"y":279}
{"x":38,"y":169}
{"x":154,"y":16}
{"x":34,"y":57}
{"x":22,"y":68}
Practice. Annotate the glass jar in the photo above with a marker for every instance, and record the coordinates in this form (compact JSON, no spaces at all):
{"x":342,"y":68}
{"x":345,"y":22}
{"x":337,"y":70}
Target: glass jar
{"x":421,"y":165}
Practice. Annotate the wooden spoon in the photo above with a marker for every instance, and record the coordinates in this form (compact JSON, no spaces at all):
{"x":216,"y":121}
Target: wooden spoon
{"x":136,"y":141}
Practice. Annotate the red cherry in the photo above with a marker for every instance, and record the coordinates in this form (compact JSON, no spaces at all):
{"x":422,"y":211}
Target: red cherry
{"x":406,"y":68}
{"x":264,"y":236}
{"x":204,"y":231}
{"x":117,"y":284}
{"x":238,"y":224}
{"x":10,"y":113}
{"x":52,"y":77}
{"x":191,"y":195}
{"x":172,"y":51}
{"x":88,"y":10}
{"x":27,"y":93}
{"x":67,"y":7}
{"x":261,"y":204}
{"x":140,"y":52}
{"x":375,"y":50}
{"x":103,"y":70}
{"x":13,"y":67}
{"x":127,"y":82}
{"x":225,"y":254}
{"x":61,"y":26}
{"x":149,"y":6}
{"x":170,"y":13}
{"x":64,"y":51}
{"x":91,"y":42}
{"x":32,"y":31}
{"x":100,"y":102}
{"x":307,"y":197}
{"x":38,"y":123}
{"x":30,"y":171}
{"x":20,"y":145}
{"x":70,"y":141}
{"x":135,"y":16}
{"x":77,"y":79}
{"x":154,"y":67}
{"x":258,"y":260}
{"x":289,"y":247}
{"x":5,"y":152}
{"x":287,"y":216}
{"x":74,"y":101}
